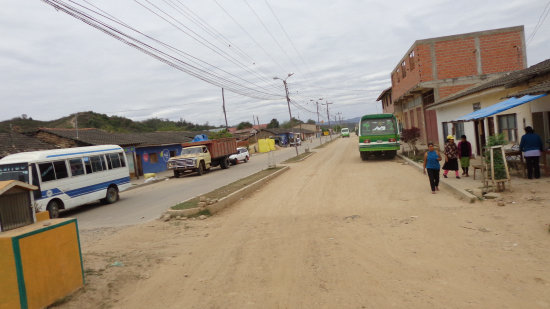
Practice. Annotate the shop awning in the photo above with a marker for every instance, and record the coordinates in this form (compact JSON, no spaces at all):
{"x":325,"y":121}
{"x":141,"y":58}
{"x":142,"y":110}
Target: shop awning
{"x":499,"y":107}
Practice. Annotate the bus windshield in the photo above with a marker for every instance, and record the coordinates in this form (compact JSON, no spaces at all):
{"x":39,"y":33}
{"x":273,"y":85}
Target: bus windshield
{"x":17,"y":171}
{"x":377,"y":126}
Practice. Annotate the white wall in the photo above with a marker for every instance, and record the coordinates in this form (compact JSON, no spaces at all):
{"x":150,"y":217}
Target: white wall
{"x":463,"y":107}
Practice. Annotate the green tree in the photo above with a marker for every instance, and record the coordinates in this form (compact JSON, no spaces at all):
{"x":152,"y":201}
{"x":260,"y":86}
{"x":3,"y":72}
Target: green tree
{"x":292,"y":123}
{"x":244,"y":125}
{"x":274,"y":123}
{"x":311,"y":121}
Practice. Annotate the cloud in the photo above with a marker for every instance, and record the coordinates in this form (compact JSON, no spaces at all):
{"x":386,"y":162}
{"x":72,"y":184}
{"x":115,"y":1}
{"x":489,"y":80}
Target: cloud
{"x":54,"y":65}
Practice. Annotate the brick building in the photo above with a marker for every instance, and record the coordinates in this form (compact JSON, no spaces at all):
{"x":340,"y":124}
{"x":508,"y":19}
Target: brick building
{"x":433,"y":69}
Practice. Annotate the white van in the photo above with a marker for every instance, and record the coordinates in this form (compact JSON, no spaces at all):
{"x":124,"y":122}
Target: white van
{"x":70,"y":177}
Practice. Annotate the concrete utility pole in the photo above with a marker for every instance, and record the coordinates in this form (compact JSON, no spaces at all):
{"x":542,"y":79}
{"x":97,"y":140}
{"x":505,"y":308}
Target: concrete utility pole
{"x":327,"y":103}
{"x":224,"y":114}
{"x":289,"y":112}
{"x":319,"y":120}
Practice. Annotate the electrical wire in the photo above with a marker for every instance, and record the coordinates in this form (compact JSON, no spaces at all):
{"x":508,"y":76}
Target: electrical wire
{"x":174,"y":62}
{"x":539,"y":22}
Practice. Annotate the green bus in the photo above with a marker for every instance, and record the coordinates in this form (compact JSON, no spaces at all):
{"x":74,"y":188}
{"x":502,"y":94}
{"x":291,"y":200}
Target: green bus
{"x":378,"y":135}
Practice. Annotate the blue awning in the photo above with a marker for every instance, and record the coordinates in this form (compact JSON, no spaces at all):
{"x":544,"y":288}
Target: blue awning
{"x":499,"y":107}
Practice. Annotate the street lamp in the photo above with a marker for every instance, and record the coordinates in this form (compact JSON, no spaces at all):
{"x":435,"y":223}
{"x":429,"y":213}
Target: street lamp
{"x":318,"y":119}
{"x":289,"y":112}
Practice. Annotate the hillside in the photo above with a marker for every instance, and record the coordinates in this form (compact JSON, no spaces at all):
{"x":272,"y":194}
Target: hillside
{"x":102,"y":121}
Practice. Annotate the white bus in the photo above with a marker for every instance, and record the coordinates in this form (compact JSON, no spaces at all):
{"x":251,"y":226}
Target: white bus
{"x":70,"y":177}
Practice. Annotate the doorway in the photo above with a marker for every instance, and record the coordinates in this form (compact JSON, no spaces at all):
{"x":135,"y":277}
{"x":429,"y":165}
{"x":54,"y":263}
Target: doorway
{"x":479,"y":127}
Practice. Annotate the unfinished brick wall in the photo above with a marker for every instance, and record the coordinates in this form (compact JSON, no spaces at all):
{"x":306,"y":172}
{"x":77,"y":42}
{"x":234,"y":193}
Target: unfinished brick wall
{"x":502,"y":52}
{"x":456,"y":58}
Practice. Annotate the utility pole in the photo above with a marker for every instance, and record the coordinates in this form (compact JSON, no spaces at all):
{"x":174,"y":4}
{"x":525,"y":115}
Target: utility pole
{"x":224,"y":114}
{"x":327,"y":103}
{"x":289,"y":112}
{"x":319,"y":120}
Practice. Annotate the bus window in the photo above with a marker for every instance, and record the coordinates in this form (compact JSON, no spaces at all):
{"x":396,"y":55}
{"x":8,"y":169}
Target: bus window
{"x":46,"y":171}
{"x":88,"y":165}
{"x":122,"y":161}
{"x":60,"y":169}
{"x":77,"y":168}
{"x":18,"y":171}
{"x":96,"y":164}
{"x":114,"y":159}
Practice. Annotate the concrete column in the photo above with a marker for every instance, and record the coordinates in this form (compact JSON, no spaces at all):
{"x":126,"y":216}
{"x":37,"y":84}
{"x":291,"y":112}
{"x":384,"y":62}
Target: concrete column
{"x":478,"y":56}
{"x":434,"y":61}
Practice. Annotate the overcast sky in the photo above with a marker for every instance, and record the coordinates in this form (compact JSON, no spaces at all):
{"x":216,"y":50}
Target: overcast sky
{"x":52,"y":65}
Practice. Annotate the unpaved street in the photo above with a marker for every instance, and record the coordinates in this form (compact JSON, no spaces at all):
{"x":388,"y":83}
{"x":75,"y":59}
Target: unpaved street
{"x":332,"y":232}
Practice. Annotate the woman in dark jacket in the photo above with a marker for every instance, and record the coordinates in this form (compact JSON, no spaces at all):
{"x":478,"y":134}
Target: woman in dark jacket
{"x":531,"y":146}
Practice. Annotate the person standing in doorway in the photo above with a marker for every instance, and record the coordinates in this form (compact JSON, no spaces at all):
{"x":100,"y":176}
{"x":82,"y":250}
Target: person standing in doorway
{"x":531,"y":146}
{"x":464,"y":154}
{"x":451,"y":157}
{"x":431,"y":166}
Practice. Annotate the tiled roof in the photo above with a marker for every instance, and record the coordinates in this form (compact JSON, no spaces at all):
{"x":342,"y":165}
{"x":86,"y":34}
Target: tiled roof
{"x":541,"y":88}
{"x":15,"y":142}
{"x":92,"y":136}
{"x":508,"y":80}
{"x":383,"y":93}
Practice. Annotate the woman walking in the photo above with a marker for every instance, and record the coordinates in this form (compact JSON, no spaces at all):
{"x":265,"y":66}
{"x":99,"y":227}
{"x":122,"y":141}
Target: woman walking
{"x":451,"y":157}
{"x":431,"y":166}
{"x":464,"y":154}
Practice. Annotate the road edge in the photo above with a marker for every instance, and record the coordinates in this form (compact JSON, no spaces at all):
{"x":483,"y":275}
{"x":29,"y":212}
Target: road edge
{"x":457,"y":191}
{"x":227,"y":200}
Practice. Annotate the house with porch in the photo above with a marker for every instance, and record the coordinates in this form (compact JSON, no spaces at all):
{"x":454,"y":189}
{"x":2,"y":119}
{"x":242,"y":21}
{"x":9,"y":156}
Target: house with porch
{"x":436,"y":68}
{"x":504,"y":105}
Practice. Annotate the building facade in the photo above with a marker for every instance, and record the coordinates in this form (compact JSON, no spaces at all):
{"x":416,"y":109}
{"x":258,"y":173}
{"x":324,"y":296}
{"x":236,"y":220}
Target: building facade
{"x":434,"y":69}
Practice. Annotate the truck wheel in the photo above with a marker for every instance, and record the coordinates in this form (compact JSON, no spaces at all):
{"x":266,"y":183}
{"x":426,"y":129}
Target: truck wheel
{"x":176,"y":174}
{"x":224,"y":163}
{"x":53,"y":209}
{"x":200,"y":170}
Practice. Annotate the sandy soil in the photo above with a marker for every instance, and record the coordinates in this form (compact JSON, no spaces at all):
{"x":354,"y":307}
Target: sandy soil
{"x":333,"y":232}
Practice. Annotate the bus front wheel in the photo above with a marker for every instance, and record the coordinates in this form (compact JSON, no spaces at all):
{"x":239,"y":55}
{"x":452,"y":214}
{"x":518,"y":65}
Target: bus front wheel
{"x":112,"y":195}
{"x":53,"y":209}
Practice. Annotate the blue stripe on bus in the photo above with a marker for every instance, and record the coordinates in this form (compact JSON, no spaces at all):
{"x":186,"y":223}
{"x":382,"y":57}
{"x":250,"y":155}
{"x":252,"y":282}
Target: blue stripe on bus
{"x":77,"y":153}
{"x":87,"y":189}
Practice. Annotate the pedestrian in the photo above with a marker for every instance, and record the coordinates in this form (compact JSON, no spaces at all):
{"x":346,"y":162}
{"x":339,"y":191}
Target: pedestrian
{"x":531,"y":146}
{"x":464,"y":154}
{"x":451,"y":157}
{"x":431,"y":166}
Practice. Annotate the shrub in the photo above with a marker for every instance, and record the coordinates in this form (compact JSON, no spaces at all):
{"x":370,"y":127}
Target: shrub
{"x":498,"y":160}
{"x":411,"y":136}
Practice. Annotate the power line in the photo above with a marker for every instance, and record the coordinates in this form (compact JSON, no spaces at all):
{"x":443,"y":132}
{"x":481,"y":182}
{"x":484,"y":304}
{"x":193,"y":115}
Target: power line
{"x":288,"y":37}
{"x":269,"y":32}
{"x":174,"y":62}
{"x":540,"y":21}
{"x":248,"y":34}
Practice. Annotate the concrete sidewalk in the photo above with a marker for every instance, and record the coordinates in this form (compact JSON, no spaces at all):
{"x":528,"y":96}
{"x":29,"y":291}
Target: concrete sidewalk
{"x":466,"y":187}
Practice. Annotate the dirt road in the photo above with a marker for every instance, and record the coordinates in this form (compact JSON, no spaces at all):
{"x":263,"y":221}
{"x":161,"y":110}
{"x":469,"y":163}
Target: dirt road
{"x":333,"y":232}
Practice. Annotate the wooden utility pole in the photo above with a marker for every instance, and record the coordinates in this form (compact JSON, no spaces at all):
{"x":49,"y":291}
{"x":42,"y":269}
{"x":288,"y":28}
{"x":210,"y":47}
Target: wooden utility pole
{"x":327,"y":103}
{"x":224,"y":114}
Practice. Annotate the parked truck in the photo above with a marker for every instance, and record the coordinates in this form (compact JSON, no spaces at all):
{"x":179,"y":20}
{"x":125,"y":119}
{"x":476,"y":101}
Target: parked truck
{"x":201,"y":156}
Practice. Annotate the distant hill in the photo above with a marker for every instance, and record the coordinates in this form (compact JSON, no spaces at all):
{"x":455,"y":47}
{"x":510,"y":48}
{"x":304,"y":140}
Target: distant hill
{"x":102,"y":121}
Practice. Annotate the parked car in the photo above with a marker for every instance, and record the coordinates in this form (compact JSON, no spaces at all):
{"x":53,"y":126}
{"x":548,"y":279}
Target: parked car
{"x":241,"y":155}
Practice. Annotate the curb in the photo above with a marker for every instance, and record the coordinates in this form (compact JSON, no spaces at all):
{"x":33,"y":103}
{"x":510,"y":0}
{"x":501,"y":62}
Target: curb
{"x":302,"y":159}
{"x":459,"y":192}
{"x":227,"y":200}
{"x":147,"y":183}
